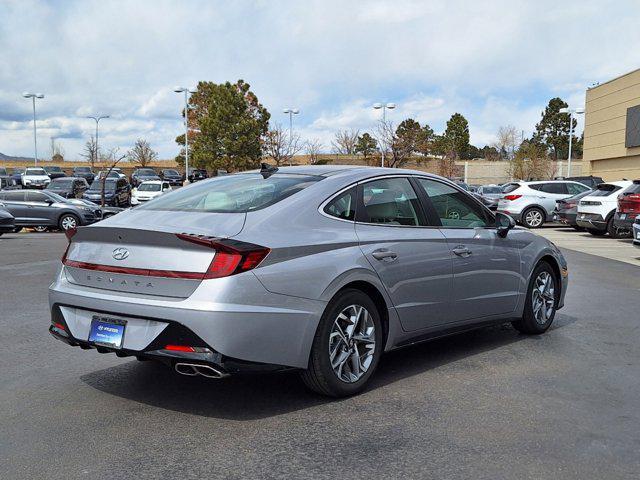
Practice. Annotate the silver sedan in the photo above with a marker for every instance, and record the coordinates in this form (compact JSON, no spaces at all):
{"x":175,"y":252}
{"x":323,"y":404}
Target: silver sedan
{"x":320,"y":269}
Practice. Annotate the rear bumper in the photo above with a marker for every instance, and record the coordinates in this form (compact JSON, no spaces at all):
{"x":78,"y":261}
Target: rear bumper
{"x":276,"y":329}
{"x":624,"y":221}
{"x":566,"y":218}
{"x":592,"y":221}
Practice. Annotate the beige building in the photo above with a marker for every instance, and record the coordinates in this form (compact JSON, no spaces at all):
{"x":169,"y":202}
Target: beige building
{"x":612,"y":129}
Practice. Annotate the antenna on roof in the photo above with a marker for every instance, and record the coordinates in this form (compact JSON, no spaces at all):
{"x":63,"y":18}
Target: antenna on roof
{"x":267,"y":170}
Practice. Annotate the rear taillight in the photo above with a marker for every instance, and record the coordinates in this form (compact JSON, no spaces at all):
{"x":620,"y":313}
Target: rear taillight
{"x":69,"y":234}
{"x":232,"y":257}
{"x":511,"y":197}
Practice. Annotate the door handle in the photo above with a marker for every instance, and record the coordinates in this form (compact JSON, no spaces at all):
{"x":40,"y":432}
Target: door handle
{"x":462,"y":251}
{"x":385,"y":255}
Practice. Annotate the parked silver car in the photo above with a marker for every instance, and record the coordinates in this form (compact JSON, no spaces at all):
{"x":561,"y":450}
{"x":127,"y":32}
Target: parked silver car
{"x":319,"y":268}
{"x":533,"y":203}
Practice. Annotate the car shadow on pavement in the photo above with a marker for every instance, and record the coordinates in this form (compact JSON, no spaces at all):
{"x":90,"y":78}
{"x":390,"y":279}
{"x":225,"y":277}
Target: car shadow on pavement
{"x":250,"y":397}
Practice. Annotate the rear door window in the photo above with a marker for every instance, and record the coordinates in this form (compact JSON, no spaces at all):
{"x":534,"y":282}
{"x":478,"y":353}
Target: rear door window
{"x":510,"y":187}
{"x":390,"y":201}
{"x":576,"y":188}
{"x":558,"y":188}
{"x":15,"y":196}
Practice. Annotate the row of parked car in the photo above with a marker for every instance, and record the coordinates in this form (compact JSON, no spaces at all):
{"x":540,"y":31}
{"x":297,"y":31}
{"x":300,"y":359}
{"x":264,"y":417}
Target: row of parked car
{"x":584,"y":203}
{"x":65,"y":202}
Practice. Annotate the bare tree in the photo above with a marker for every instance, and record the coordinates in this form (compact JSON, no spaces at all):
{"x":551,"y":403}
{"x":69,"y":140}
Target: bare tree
{"x":507,"y":141}
{"x":397,"y":148}
{"x":278,"y":145}
{"x":112,"y":160}
{"x":313,"y":148}
{"x":344,"y":142}
{"x":142,"y":154}
{"x":90,"y":152}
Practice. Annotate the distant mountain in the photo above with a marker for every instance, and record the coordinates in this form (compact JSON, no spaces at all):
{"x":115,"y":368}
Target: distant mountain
{"x":9,"y":158}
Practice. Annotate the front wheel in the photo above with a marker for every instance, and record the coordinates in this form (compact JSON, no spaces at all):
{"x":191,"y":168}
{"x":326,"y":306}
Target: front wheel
{"x":541,"y":302}
{"x":68,"y":221}
{"x":347,"y":346}
{"x":533,"y":218}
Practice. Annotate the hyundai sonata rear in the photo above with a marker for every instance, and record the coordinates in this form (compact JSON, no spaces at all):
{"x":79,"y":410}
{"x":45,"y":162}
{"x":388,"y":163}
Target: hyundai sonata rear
{"x":319,"y":269}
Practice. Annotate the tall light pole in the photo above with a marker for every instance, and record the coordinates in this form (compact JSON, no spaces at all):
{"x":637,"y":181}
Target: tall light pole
{"x":33,"y":97}
{"x":384,"y":107}
{"x":186,"y":92}
{"x":97,"y":120}
{"x":291,"y":112}
{"x":571,"y":112}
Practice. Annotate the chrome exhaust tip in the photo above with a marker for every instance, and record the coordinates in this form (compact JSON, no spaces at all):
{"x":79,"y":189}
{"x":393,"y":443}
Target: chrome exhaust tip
{"x":193,"y":369}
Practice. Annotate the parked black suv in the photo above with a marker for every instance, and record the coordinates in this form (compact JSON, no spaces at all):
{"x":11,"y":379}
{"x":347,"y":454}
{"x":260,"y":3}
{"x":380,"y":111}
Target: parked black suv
{"x":117,"y":192}
{"x":172,"y":176}
{"x":589,"y":181}
{"x":54,"y":172}
{"x":142,"y":175}
{"x":197,"y":174}
{"x":68,"y":187}
{"x":84,"y":172}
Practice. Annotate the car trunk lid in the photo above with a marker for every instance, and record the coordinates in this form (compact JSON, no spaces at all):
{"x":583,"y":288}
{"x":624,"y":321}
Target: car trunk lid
{"x":142,"y":252}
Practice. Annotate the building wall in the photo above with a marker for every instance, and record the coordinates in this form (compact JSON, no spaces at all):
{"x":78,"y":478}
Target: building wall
{"x":605,"y":154}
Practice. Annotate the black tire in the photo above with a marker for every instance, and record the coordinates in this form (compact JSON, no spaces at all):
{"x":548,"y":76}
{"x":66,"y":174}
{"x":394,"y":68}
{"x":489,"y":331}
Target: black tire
{"x":116,"y":202}
{"x":17,"y":230}
{"x":596,"y":233}
{"x":41,"y":228}
{"x":320,"y":376}
{"x":62,"y":223}
{"x":529,"y":223}
{"x":528,"y":323}
{"x":611,"y":228}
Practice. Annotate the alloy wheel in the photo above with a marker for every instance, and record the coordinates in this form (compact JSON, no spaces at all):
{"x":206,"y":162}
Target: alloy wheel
{"x":533,"y":218}
{"x":543,"y":298}
{"x":352,"y":342}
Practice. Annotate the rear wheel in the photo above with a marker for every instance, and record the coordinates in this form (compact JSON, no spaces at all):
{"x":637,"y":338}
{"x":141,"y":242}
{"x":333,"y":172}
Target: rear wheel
{"x":541,"y":301}
{"x":597,"y":233}
{"x":41,"y":228}
{"x":68,"y":221}
{"x":347,"y":346}
{"x":533,"y":217}
{"x":17,"y":230}
{"x":611,"y":228}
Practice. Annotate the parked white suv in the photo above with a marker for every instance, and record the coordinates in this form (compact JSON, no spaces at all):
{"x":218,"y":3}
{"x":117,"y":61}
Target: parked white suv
{"x":532,"y":203}
{"x":596,"y":211}
{"x":35,"y":177}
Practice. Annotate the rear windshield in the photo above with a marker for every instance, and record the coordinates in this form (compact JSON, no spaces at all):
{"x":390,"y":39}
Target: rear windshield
{"x":510,"y":187}
{"x":97,"y":185}
{"x":634,"y":188}
{"x":149,"y":187}
{"x":233,"y":193}
{"x":145,"y":171}
{"x":605,"y":189}
{"x":3,"y":171}
{"x":35,"y":171}
{"x":491,"y":190}
{"x":61,"y":183}
{"x":82,"y":169}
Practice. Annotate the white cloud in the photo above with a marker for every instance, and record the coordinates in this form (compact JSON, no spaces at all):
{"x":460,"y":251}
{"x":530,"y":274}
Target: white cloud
{"x":497,"y":63}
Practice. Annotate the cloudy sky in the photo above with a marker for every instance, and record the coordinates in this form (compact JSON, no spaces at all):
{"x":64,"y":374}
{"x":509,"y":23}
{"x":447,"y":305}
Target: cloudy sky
{"x":495,"y":62}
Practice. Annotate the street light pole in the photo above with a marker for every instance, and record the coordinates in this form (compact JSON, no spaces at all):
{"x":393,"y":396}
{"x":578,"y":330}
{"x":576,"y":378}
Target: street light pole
{"x":571,"y":112}
{"x":97,"y":120}
{"x":33,"y":97}
{"x":291,"y":112}
{"x":186,"y":92}
{"x":384,"y":107}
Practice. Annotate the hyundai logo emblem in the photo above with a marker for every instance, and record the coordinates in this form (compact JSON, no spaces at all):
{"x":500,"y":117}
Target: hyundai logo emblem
{"x":120,"y":253}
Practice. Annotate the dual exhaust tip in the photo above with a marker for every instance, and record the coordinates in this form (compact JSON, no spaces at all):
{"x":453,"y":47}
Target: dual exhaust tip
{"x":195,"y":369}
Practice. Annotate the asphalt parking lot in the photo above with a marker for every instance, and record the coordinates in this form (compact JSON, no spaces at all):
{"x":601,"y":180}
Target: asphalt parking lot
{"x":487,"y":404}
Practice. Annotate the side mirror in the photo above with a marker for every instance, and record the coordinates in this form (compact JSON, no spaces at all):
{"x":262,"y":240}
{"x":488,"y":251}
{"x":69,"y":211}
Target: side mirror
{"x":504,"y":223}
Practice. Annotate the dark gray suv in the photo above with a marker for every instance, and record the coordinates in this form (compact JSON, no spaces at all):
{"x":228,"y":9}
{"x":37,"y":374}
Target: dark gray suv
{"x":47,"y":209}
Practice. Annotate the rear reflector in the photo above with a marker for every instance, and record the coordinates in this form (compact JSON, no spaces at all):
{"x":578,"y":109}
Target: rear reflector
{"x":180,"y":348}
{"x":511,"y":197}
